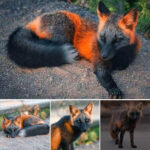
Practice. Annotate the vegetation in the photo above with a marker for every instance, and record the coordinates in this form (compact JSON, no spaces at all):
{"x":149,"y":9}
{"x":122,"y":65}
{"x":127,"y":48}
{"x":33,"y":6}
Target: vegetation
{"x":122,"y":6}
{"x":89,"y":137}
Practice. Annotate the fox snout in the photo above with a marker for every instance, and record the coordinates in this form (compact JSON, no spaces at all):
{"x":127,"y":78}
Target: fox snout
{"x":107,"y":52}
{"x":13,"y":131}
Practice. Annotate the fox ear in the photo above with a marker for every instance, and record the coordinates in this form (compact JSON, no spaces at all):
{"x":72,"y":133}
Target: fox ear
{"x":18,"y":119}
{"x":6,"y":120}
{"x":89,"y":108}
{"x":102,"y":10}
{"x":139,"y":106}
{"x":73,"y":111}
{"x":130,"y":19}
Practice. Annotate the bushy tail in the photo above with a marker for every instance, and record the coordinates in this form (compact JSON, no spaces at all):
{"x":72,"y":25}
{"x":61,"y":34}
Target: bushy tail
{"x":28,"y":50}
{"x":39,"y":129}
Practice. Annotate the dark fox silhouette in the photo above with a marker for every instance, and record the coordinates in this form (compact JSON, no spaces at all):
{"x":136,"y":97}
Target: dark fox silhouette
{"x":125,"y":120}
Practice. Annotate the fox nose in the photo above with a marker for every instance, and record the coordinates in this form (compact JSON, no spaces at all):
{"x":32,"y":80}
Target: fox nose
{"x":85,"y":130}
{"x":104,"y":55}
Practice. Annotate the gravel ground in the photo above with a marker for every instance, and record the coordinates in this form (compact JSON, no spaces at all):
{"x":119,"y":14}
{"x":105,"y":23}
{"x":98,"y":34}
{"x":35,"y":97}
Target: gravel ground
{"x":41,"y":142}
{"x":69,"y":81}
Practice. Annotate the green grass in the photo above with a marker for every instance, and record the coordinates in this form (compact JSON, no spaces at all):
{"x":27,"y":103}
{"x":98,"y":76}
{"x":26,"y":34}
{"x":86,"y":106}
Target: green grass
{"x":91,"y":136}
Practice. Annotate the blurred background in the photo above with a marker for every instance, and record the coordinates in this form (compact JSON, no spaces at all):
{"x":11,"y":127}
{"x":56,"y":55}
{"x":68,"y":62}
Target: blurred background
{"x":142,"y":131}
{"x":87,"y":140}
{"x":39,"y":108}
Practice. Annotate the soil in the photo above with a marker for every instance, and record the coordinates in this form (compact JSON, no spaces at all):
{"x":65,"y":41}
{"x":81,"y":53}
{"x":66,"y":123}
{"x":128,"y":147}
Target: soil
{"x":69,"y":81}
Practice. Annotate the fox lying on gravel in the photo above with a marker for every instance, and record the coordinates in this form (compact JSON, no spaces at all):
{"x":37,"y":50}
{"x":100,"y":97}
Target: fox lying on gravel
{"x":58,"y":38}
{"x":125,"y":121}
{"x":69,"y":128}
{"x":24,"y":125}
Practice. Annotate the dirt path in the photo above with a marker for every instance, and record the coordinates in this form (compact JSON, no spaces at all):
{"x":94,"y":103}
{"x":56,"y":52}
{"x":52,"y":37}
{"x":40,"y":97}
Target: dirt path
{"x":70,"y":81}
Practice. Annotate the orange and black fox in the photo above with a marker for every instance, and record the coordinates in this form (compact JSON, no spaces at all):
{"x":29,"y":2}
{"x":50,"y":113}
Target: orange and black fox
{"x":125,"y":121}
{"x":24,"y":126}
{"x":69,"y":128}
{"x":58,"y":38}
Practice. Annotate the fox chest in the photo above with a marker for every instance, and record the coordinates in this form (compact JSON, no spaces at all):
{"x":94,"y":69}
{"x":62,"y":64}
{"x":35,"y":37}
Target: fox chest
{"x":122,"y":59}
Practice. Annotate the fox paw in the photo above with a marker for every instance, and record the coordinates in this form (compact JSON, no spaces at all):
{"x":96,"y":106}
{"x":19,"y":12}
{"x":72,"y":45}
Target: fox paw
{"x":115,"y":93}
{"x":71,"y":55}
{"x":134,"y":146}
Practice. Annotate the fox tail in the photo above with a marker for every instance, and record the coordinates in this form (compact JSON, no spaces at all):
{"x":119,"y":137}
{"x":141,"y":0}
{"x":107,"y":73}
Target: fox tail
{"x":27,"y":50}
{"x":39,"y":129}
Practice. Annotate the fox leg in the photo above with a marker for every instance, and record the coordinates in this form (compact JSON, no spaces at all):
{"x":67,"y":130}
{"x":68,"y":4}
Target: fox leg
{"x":65,"y":146}
{"x":71,"y":147}
{"x":122,"y":132}
{"x":132,"y":139}
{"x":117,"y":132}
{"x":105,"y":78}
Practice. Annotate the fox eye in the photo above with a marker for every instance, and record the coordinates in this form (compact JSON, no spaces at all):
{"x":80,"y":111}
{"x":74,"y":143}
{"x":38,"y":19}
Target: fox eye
{"x":79,"y":121}
{"x":86,"y":120}
{"x":103,"y":38}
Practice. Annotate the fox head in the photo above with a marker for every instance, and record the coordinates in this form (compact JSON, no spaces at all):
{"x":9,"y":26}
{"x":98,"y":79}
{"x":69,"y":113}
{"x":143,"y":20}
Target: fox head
{"x":81,"y":119}
{"x":115,"y":31}
{"x":12,"y":126}
{"x":135,"y":112}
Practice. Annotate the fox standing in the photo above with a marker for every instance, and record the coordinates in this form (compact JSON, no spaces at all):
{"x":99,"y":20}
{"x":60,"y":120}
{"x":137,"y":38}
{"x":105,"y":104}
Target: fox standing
{"x":54,"y":39}
{"x":125,"y":121}
{"x":69,"y":128}
{"x":24,"y":125}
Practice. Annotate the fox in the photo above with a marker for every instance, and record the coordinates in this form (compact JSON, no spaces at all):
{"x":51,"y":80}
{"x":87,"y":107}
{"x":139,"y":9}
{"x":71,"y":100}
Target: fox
{"x":63,"y":37}
{"x":69,"y":128}
{"x":24,"y":126}
{"x":123,"y":121}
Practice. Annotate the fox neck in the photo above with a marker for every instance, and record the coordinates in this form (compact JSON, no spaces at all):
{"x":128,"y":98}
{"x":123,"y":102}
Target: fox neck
{"x":132,"y":123}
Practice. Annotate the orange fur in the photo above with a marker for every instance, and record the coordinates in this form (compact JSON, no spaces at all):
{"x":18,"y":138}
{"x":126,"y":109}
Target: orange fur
{"x":84,"y":37}
{"x":127,"y":20}
{"x":56,"y":140}
{"x":35,"y":26}
{"x":69,"y":128}
{"x":5,"y":123}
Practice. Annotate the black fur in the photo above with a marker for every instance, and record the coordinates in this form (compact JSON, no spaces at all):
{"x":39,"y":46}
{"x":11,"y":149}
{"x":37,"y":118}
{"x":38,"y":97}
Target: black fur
{"x":39,"y":129}
{"x":27,"y":50}
{"x":103,"y":9}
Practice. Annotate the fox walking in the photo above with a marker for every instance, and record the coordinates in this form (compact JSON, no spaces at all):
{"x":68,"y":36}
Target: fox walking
{"x":125,"y":121}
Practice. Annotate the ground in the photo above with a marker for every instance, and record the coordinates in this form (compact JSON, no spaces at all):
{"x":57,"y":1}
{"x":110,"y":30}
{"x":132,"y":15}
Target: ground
{"x":69,"y":81}
{"x":41,"y":142}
